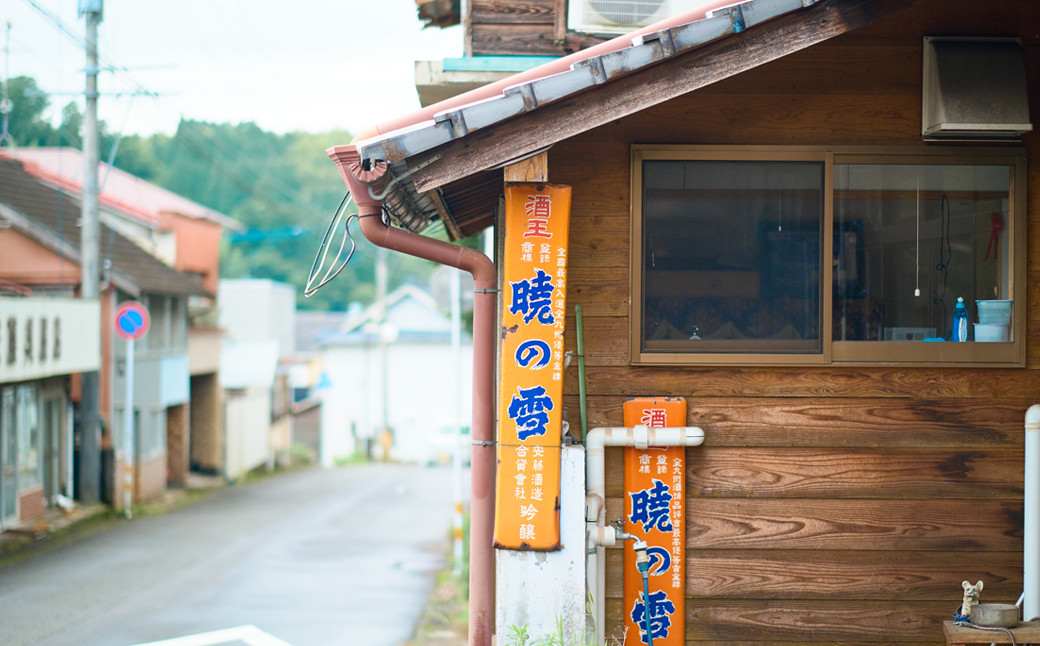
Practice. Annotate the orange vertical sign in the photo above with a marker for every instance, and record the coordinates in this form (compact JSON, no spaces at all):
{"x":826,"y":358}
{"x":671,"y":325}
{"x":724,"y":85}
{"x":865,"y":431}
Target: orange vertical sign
{"x":655,"y":513}
{"x":527,"y":509}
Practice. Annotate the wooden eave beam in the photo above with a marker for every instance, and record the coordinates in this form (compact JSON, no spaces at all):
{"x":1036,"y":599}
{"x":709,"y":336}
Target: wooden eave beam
{"x":498,"y":144}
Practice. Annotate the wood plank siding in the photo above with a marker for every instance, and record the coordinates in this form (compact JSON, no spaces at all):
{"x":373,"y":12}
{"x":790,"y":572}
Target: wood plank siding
{"x":521,"y":28}
{"x":828,"y":505}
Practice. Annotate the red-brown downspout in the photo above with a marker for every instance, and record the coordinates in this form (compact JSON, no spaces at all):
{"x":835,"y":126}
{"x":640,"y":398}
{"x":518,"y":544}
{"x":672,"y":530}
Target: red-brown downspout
{"x":485,"y":288}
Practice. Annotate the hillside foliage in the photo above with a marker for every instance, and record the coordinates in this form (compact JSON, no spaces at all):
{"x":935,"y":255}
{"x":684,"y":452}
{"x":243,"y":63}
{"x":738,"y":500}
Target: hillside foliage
{"x":282,"y":188}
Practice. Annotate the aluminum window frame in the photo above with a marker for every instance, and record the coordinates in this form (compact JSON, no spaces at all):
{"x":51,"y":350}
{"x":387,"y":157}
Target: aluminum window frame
{"x":865,"y":353}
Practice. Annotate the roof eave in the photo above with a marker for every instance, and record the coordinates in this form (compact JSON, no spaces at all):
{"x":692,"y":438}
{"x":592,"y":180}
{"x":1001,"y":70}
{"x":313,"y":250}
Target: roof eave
{"x":26,"y":226}
{"x":658,"y":67}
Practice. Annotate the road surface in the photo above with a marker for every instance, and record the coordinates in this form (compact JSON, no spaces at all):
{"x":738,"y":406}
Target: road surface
{"x":315,"y":557}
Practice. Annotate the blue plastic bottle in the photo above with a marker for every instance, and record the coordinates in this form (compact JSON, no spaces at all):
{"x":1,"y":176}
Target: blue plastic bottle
{"x":960,"y":321}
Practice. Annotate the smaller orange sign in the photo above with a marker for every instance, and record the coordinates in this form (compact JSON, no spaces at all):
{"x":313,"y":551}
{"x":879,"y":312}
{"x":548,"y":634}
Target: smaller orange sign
{"x":655,"y":513}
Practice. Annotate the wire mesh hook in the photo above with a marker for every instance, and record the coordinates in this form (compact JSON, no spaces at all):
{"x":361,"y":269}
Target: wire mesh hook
{"x":323,"y":250}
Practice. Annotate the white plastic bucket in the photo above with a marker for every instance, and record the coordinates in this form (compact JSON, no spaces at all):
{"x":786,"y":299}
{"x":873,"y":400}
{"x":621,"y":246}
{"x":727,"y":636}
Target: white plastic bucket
{"x":989,"y":333}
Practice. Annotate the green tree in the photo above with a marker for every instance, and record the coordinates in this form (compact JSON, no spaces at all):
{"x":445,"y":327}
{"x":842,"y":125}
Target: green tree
{"x":26,"y":124}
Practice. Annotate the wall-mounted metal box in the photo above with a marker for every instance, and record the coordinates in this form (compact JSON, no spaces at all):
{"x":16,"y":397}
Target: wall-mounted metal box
{"x":974,"y":89}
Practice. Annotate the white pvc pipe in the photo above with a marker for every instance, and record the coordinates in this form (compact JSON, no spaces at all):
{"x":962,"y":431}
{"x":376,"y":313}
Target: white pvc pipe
{"x":601,"y":536}
{"x":1031,"y":532}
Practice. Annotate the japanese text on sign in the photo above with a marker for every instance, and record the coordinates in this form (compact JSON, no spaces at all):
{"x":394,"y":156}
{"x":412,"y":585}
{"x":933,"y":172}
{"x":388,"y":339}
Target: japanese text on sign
{"x":531,"y":380}
{"x":654,"y":512}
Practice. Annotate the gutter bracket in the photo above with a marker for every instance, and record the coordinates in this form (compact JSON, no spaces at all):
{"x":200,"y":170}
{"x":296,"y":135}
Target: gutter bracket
{"x":402,"y":176}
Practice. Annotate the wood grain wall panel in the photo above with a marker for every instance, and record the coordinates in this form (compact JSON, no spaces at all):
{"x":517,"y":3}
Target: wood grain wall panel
{"x":954,"y":525}
{"x":992,"y":384}
{"x":604,"y":238}
{"x":515,"y":40}
{"x":783,"y":120}
{"x":601,"y":291}
{"x":514,"y":12}
{"x":830,"y":622}
{"x":824,"y":69}
{"x":838,"y":423}
{"x":900,"y":525}
{"x":859,"y":575}
{"x":855,"y":474}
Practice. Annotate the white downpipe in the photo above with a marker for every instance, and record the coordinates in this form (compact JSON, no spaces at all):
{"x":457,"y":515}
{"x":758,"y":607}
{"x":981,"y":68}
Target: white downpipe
{"x":599,"y":535}
{"x":1031,"y":533}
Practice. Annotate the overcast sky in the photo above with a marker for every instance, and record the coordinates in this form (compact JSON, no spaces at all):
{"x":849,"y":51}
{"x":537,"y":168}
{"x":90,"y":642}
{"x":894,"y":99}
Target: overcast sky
{"x":290,"y":65}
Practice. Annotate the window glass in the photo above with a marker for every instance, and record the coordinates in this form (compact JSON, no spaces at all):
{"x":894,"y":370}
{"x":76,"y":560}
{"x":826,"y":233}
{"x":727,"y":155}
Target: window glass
{"x":731,"y":256}
{"x":909,"y":240}
{"x":30,"y":441}
{"x":158,"y":310}
{"x":728,"y":244}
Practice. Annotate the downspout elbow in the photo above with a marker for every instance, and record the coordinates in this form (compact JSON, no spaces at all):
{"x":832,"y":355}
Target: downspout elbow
{"x":1033,"y":417}
{"x":363,"y":182}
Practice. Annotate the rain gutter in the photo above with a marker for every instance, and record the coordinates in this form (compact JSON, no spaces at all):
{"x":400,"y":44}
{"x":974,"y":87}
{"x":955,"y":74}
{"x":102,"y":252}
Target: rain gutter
{"x":454,"y":118}
{"x":555,"y":66}
{"x":364,"y":183}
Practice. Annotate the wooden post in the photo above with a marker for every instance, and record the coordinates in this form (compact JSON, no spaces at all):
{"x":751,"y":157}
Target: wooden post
{"x":560,"y":23}
{"x":531,"y":169}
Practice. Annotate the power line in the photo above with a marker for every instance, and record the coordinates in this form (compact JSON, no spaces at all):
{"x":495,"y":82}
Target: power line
{"x":204,"y":146}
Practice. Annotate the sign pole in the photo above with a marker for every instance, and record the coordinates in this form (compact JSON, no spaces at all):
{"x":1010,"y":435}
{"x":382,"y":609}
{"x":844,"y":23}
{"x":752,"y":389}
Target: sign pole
{"x":132,"y":323}
{"x":128,"y":430}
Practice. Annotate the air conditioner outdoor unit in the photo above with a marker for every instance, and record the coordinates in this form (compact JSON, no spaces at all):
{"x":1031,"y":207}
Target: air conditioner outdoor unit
{"x":622,"y":16}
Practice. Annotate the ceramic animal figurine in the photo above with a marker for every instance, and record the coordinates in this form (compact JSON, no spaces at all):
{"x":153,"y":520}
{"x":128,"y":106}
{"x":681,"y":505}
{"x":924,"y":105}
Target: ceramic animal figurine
{"x":971,"y":597}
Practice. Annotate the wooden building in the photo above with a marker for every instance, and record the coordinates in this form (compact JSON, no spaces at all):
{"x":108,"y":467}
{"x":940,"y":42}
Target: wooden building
{"x":759,"y":225}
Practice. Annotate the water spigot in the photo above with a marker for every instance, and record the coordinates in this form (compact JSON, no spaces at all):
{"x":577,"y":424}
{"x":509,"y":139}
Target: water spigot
{"x":620,"y":533}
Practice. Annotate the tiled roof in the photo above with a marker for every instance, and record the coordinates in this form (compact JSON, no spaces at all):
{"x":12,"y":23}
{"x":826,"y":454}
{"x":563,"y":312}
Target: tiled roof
{"x":50,"y":216}
{"x":121,"y":191}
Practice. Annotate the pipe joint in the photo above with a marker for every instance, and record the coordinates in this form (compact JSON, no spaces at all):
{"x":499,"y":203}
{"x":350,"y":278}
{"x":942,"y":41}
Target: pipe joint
{"x":640,"y":437}
{"x":593,"y":505}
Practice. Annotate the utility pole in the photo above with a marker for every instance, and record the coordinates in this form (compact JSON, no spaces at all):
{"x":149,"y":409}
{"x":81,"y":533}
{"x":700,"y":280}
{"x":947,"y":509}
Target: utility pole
{"x":5,"y":102}
{"x":89,"y":480}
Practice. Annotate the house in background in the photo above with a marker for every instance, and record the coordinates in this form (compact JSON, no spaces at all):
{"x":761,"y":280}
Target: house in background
{"x":307,"y":376}
{"x":184,"y":235}
{"x":393,"y":382}
{"x":41,"y":251}
{"x":45,"y":342}
{"x":258,"y":318}
{"x":751,"y":189}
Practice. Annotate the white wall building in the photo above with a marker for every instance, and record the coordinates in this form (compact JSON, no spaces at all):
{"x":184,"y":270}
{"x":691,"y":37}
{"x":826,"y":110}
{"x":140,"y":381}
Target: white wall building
{"x":421,"y":395}
{"x":258,"y":317}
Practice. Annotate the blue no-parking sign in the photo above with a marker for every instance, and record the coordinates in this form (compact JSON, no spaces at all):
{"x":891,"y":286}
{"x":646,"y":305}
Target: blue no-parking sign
{"x":132,"y":320}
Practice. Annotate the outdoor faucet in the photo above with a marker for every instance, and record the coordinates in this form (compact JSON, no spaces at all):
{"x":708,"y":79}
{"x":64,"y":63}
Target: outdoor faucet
{"x":620,"y":533}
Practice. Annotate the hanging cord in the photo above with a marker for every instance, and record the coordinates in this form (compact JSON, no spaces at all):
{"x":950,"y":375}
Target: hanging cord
{"x":314,"y":283}
{"x":917,"y":245}
{"x":106,"y":264}
{"x":996,"y":223}
{"x":945,"y":256}
{"x":1011,"y":635}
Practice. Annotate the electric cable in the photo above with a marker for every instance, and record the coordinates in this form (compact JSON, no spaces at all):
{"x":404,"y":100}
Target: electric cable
{"x":945,"y":256}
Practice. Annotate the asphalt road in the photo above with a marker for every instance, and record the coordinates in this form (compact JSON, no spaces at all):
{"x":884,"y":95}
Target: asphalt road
{"x":316,"y":557}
